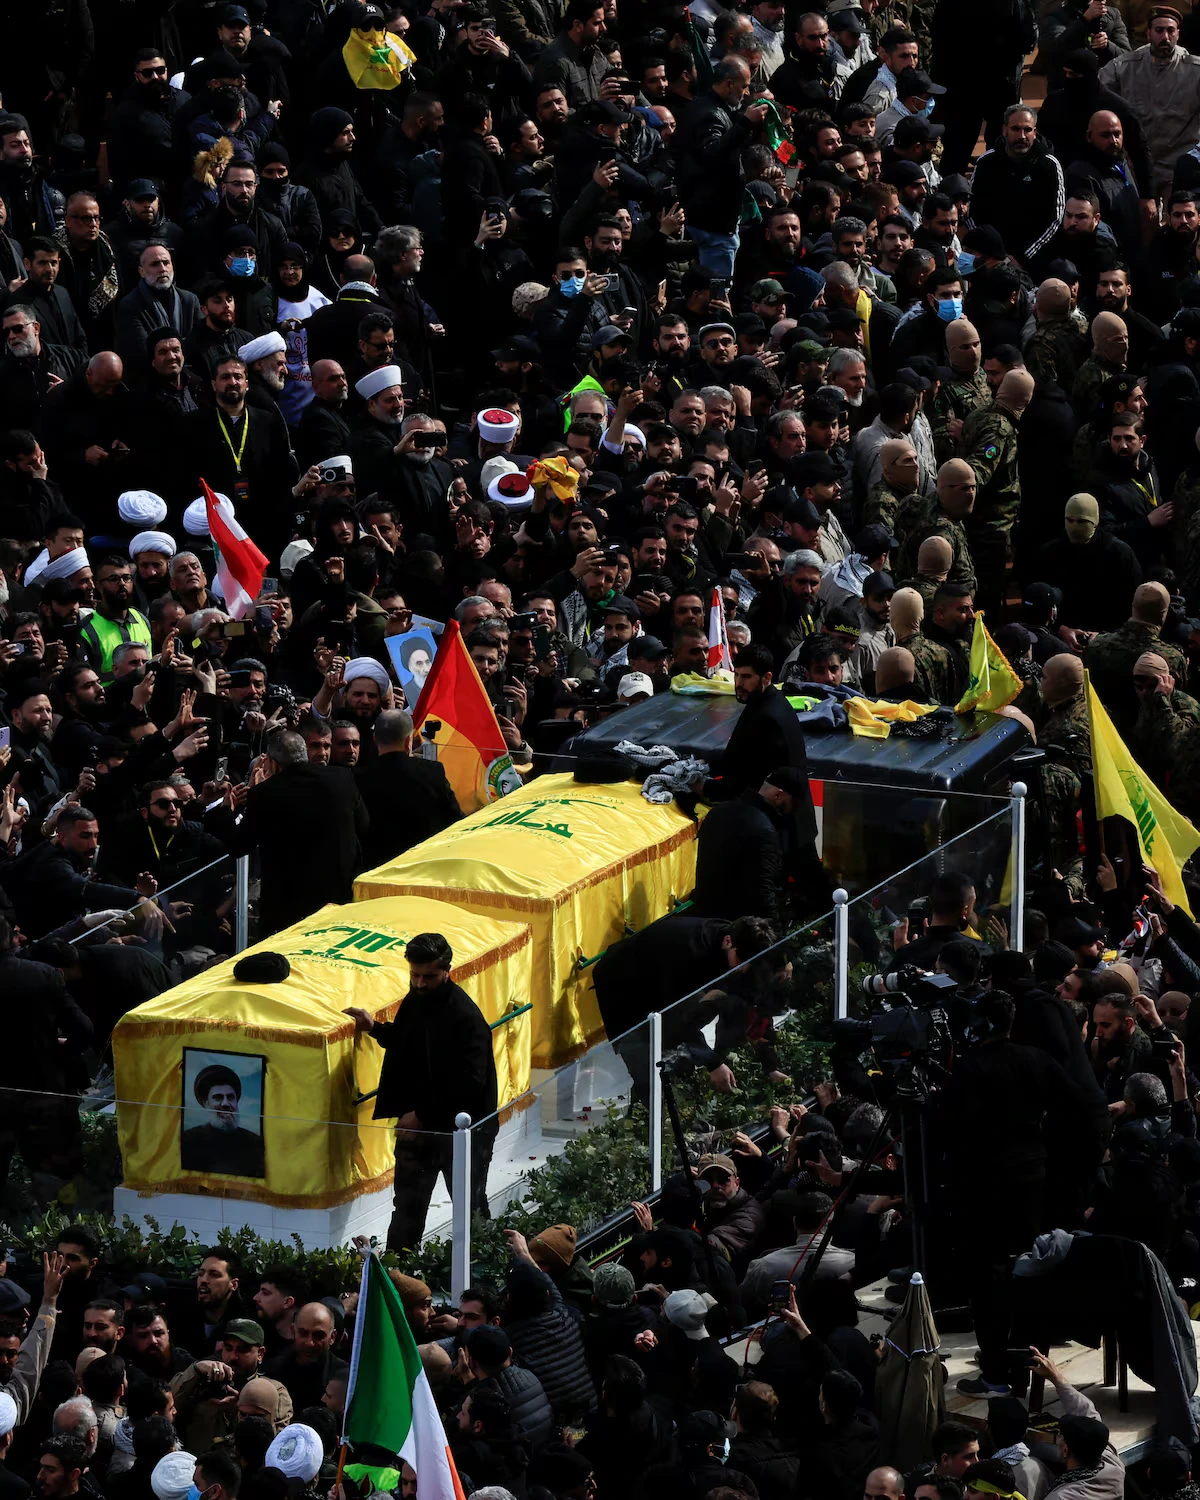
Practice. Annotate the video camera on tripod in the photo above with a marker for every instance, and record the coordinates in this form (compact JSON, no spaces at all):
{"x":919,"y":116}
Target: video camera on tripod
{"x":912,"y":1037}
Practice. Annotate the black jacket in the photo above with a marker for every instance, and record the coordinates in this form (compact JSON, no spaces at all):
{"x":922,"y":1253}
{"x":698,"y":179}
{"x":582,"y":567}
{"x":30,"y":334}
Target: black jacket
{"x":1024,"y":193}
{"x":470,"y":175}
{"x":1129,"y":494}
{"x":143,"y":312}
{"x":303,"y":819}
{"x":1114,"y":184}
{"x":209,"y":228}
{"x":651,"y":969}
{"x":546,"y":1339}
{"x":528,"y":1404}
{"x":708,"y":147}
{"x":765,"y":1460}
{"x":337,"y":190}
{"x":48,"y":889}
{"x":432,"y":1030}
{"x":836,"y":1466}
{"x":1096,"y":580}
{"x":38,"y":1009}
{"x":408,"y":800}
{"x":766,"y":736}
{"x":141,"y":135}
{"x":1063,"y":120}
{"x":740,"y":860}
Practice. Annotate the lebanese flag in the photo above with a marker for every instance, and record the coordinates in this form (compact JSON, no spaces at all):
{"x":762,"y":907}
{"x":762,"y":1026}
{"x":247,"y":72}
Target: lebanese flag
{"x":469,"y":743}
{"x":718,"y":642}
{"x":240,"y":565}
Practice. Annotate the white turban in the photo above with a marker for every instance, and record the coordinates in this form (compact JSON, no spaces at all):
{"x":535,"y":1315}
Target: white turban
{"x":142,"y":508}
{"x":291,"y":555}
{"x":195,"y":518}
{"x":297,"y":1453}
{"x":8,"y":1413}
{"x":65,"y":566}
{"x":375,"y":381}
{"x":172,"y":1476}
{"x":38,"y":566}
{"x":259,"y":348}
{"x":367,"y":666}
{"x":153,"y":541}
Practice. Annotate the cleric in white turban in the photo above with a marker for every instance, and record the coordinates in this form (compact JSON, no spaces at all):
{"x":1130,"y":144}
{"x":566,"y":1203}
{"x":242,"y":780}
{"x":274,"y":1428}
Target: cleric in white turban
{"x":66,"y":566}
{"x":152,"y":541}
{"x":366,"y":666}
{"x":297,"y":1452}
{"x":141,"y":508}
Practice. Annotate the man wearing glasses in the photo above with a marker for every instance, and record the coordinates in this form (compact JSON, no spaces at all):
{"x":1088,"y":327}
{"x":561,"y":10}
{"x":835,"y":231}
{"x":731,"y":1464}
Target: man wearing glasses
{"x":89,"y":271}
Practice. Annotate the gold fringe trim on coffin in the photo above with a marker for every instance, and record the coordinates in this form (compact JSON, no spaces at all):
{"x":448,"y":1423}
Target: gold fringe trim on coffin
{"x":528,"y":903}
{"x":222,"y":1188}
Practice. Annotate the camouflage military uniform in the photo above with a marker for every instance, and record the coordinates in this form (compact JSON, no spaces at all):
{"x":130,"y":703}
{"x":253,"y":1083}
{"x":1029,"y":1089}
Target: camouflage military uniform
{"x":1062,"y":791}
{"x":1177,"y":730}
{"x":989,"y":445}
{"x":926,"y":587}
{"x":934,"y":678}
{"x":1056,"y":352}
{"x":1162,"y":724}
{"x":1185,"y":531}
{"x":1093,"y":372}
{"x":955,"y":401}
{"x":1066,"y":725}
{"x":1109,"y":660}
{"x":922,"y":516}
{"x":881,"y":505}
{"x":1083,"y":456}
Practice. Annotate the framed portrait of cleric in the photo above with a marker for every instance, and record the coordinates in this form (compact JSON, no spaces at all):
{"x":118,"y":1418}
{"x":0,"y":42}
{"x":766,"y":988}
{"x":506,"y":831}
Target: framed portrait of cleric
{"x":223,"y":1113}
{"x":412,"y":656}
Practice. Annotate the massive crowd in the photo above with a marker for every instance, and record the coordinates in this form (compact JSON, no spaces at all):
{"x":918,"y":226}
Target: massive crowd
{"x":552,"y":320}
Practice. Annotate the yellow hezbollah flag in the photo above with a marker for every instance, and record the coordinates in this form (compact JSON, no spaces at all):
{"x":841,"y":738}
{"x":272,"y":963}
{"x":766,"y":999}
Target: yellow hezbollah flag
{"x":1123,"y":790}
{"x":993,"y":683}
{"x":376,"y":59}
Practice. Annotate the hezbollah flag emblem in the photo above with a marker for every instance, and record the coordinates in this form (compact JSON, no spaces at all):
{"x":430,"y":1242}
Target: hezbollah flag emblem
{"x":376,"y":59}
{"x":993,"y":683}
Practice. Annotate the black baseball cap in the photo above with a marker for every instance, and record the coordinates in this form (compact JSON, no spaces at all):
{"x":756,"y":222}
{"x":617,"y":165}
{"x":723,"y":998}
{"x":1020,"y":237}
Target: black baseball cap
{"x":141,"y":188}
{"x":646,"y":648}
{"x":519,"y":348}
{"x":879,"y":582}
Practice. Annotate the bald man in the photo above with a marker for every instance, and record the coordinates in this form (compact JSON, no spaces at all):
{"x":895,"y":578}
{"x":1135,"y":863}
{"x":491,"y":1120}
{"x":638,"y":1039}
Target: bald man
{"x":1168,"y":722}
{"x":1110,"y":658}
{"x":901,"y":475}
{"x":1109,"y":357}
{"x":966,"y":392}
{"x":944,"y":513}
{"x":934,"y":557}
{"x":989,"y":445}
{"x":1104,"y":166}
{"x":1057,"y":349}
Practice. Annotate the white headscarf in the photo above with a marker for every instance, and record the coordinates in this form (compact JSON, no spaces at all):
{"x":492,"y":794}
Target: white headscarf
{"x":297,"y":1453}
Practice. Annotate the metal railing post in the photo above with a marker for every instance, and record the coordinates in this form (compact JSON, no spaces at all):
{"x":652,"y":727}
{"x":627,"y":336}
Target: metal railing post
{"x":655,"y":1042}
{"x":460,"y":1194}
{"x":841,"y":955}
{"x":1016,"y":913}
{"x":241,"y":917}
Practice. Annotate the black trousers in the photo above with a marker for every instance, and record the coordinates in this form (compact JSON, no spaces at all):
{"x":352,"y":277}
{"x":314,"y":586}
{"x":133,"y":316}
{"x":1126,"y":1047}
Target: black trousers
{"x":971,"y":105}
{"x":419,"y":1159}
{"x":1002,"y":1224}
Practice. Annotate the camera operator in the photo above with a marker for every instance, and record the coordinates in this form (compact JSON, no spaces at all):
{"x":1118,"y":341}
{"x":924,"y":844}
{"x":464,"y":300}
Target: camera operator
{"x":1009,"y":1110}
{"x":951,"y":912}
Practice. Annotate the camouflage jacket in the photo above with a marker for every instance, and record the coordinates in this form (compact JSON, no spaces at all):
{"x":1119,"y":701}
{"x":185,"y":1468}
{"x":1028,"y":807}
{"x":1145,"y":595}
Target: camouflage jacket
{"x":1171,"y":722}
{"x":926,"y":587}
{"x":922,"y":516}
{"x":954,"y":402}
{"x":1066,"y":725}
{"x":1109,"y":660}
{"x":881,"y":505}
{"x":989,"y":445}
{"x":1185,"y":530}
{"x":1093,"y":372}
{"x":1056,"y":352}
{"x":935,"y":675}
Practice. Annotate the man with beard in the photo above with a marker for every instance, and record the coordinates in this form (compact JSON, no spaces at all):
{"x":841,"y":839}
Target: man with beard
{"x":326,"y":172}
{"x":1169,"y":258}
{"x":420,"y":481}
{"x":140,"y":128}
{"x":375,"y":442}
{"x":1019,"y":185}
{"x":151,"y":552}
{"x":1161,"y":81}
{"x":52,"y":306}
{"x":217,"y":1301}
{"x":293,"y":205}
{"x":1122,"y":1047}
{"x":1113,"y":292}
{"x":222,"y":1143}
{"x":30,"y":716}
{"x":155,"y":302}
{"x":27,"y":494}
{"x":787,"y":608}
{"x":30,"y":369}
{"x":239,"y":209}
{"x":265,"y":359}
{"x":147,"y":1348}
{"x":114,"y":619}
{"x":1104,"y":166}
{"x":435,"y":1019}
{"x":32,"y":206}
{"x":51,"y":883}
{"x":103,"y":1325}
{"x":89,"y":269}
{"x":1079,"y":238}
{"x":205,"y":1414}
{"x":808,"y":75}
{"x":217,"y":331}
{"x":323,"y":428}
{"x":245,"y":452}
{"x":418,"y":130}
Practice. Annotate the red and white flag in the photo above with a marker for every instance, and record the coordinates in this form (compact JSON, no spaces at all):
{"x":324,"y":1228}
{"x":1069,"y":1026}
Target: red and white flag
{"x":718,"y":642}
{"x":240,"y":565}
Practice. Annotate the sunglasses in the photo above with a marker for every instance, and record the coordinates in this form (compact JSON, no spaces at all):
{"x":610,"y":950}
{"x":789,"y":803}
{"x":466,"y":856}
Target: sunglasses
{"x":162,"y":802}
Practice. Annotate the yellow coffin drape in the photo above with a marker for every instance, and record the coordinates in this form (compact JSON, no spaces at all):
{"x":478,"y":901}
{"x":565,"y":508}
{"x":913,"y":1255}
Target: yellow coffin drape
{"x":320,"y":1149}
{"x":580,"y":863}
